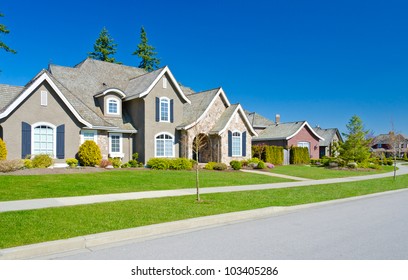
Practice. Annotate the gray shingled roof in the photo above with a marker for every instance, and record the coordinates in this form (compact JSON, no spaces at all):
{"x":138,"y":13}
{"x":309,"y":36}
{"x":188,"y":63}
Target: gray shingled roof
{"x":139,"y":84}
{"x":199,"y":103}
{"x":279,"y":131}
{"x":257,"y":120}
{"x":7,"y":95}
{"x":328,"y":135}
{"x":224,"y":119}
{"x":385,"y":139}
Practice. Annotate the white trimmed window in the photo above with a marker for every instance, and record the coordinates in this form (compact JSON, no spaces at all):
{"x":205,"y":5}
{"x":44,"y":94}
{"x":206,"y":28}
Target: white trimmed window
{"x":89,"y":135}
{"x":304,"y":145}
{"x":44,"y":98}
{"x":44,"y":139}
{"x":164,"y":82}
{"x":164,"y":109}
{"x":236,"y":144}
{"x":115,"y":145}
{"x":164,"y":145}
{"x":113,"y":106}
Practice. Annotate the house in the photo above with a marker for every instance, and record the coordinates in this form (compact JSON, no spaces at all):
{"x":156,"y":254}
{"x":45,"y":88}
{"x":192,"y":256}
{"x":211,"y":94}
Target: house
{"x":124,"y":110}
{"x":331,"y":136}
{"x":287,"y":134}
{"x":387,"y":144}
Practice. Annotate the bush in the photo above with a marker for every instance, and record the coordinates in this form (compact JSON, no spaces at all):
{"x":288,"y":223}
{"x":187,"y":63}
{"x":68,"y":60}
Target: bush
{"x":236,"y":165}
{"x":135,"y":156}
{"x":89,"y":154}
{"x":158,"y":163}
{"x":220,"y":166}
{"x":116,"y":162}
{"x":272,"y":154}
{"x":299,"y":155}
{"x":28,"y":163}
{"x":42,"y":161}
{"x":210,"y":165}
{"x":261,"y":165}
{"x":125,"y":165}
{"x":105,"y":163}
{"x":72,"y":162}
{"x":11,"y":165}
{"x":269,"y":165}
{"x":352,"y":165}
{"x":244,"y":163}
{"x":3,"y":150}
{"x":133,"y":163}
{"x":180,"y":164}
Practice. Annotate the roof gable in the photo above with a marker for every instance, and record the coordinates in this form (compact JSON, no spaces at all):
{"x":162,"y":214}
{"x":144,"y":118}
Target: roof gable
{"x":285,"y":131}
{"x":226,"y":118}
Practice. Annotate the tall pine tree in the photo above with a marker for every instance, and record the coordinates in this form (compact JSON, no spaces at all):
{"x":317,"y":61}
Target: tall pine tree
{"x":104,"y":48}
{"x":146,"y":53}
{"x":4,"y":30}
{"x":356,"y":148}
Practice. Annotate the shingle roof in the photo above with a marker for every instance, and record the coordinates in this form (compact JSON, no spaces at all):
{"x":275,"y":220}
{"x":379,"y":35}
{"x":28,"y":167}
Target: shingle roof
{"x":328,"y":135}
{"x":385,"y":139}
{"x":258,"y":121}
{"x":279,"y":131}
{"x":224,"y":119}
{"x":8,"y":94}
{"x":139,"y":84}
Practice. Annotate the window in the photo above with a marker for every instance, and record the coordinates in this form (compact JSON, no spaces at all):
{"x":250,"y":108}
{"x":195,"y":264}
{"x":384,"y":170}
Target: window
{"x":113,"y":106}
{"x":44,"y":98}
{"x":236,"y":144}
{"x":164,"y":145}
{"x":164,"y":109}
{"x":304,"y":144}
{"x":88,"y":135}
{"x":164,"y":82}
{"x":43,"y":140}
{"x":115,"y":145}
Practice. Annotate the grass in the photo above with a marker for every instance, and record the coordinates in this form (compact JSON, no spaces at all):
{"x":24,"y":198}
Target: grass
{"x":317,"y":172}
{"x":27,"y":227}
{"x":119,"y":181}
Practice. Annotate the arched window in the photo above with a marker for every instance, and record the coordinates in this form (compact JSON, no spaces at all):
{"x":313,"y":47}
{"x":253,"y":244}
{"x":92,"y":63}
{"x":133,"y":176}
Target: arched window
{"x":236,"y":144}
{"x":164,"y":109}
{"x":113,"y":106}
{"x":164,"y":144}
{"x":43,"y":140}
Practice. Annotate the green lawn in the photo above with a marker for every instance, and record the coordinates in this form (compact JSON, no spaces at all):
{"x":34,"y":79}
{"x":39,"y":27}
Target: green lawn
{"x":317,"y":172}
{"x":119,"y":181}
{"x":27,"y":227}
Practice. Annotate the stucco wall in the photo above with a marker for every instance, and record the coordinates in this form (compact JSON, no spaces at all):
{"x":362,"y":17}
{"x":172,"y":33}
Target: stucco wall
{"x":305,"y":135}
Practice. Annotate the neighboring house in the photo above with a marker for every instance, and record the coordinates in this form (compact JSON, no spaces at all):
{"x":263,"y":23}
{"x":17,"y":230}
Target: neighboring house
{"x":123,"y":109}
{"x":331,"y":136}
{"x":288,"y":134}
{"x":383,"y":143}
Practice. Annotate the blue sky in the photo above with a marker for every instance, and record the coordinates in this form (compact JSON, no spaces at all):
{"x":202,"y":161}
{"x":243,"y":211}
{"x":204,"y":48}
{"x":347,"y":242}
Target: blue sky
{"x":320,"y":61}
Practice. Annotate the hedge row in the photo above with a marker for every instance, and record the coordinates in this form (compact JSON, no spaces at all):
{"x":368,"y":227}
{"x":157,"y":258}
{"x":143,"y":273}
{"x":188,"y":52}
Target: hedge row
{"x":272,"y":154}
{"x":299,"y":155}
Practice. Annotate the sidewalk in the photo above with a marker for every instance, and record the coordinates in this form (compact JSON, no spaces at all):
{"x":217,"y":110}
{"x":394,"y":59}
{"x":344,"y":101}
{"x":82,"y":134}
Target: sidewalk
{"x":81,"y":200}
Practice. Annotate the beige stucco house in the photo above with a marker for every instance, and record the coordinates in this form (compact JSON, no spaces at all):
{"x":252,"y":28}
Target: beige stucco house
{"x":124,"y":110}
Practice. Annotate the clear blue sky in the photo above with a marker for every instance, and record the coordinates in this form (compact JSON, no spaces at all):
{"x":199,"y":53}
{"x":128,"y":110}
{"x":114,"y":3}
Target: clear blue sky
{"x":320,"y":61}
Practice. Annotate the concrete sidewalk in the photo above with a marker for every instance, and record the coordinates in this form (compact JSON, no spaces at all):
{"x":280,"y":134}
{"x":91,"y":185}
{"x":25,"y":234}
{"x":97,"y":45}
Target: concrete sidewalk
{"x":81,"y":200}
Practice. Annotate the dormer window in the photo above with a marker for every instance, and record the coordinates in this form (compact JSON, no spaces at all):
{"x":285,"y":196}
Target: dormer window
{"x":113,"y":106}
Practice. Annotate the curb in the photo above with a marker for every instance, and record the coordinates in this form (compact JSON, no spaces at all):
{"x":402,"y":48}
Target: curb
{"x":88,"y":242}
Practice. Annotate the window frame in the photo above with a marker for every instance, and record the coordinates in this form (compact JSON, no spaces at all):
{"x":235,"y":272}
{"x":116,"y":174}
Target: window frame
{"x":54,"y":138}
{"x":235,"y":137}
{"x":95,"y":133}
{"x":118,"y":106}
{"x":44,"y":98}
{"x":162,"y":100}
{"x":119,"y":154}
{"x":165,"y":155}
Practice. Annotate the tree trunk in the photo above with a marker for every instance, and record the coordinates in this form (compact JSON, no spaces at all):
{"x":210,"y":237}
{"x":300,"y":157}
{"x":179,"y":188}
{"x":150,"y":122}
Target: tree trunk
{"x":197,"y":182}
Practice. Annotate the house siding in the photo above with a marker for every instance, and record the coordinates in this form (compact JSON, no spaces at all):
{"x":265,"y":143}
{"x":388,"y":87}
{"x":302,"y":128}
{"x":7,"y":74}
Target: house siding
{"x":305,"y":135}
{"x":31,"y":111}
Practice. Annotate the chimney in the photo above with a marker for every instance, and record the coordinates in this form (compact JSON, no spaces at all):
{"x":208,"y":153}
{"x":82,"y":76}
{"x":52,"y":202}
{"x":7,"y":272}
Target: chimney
{"x":277,"y":119}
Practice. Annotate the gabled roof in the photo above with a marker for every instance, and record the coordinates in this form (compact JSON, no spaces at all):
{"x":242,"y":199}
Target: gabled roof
{"x":385,"y":139}
{"x":7,"y":95}
{"x":226,"y":118}
{"x":284,"y":131}
{"x":201,"y":102}
{"x":258,"y":121}
{"x":328,"y":135}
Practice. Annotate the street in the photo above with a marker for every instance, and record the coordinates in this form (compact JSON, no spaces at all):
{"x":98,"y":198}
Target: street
{"x":368,"y":228}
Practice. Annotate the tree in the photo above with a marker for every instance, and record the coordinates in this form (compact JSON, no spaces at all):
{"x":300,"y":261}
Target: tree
{"x":104,"y":48}
{"x":4,"y":30}
{"x":356,"y":148}
{"x":199,"y":143}
{"x":146,"y":53}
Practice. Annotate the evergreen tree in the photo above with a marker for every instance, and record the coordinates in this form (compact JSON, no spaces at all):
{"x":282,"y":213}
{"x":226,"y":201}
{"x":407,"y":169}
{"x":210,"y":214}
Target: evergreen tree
{"x":356,"y":148}
{"x":146,"y":53}
{"x":4,"y":30}
{"x":104,"y":48}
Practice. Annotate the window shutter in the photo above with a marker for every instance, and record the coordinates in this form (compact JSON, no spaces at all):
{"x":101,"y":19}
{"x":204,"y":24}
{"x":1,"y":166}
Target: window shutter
{"x":25,"y":139}
{"x":229,"y":143}
{"x":157,"y":109}
{"x":171,"y":110}
{"x":61,"y":141}
{"x":244,"y":143}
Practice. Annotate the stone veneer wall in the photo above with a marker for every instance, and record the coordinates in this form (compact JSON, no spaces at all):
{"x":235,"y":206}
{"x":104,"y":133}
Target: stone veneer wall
{"x":103,"y":143}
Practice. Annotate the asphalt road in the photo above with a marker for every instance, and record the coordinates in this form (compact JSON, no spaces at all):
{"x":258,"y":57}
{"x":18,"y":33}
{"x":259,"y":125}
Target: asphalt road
{"x":368,"y":228}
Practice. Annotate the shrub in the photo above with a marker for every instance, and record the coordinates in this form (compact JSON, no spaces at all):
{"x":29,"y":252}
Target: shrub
{"x":269,"y":165}
{"x":89,"y":154}
{"x":299,"y":155}
{"x":105,"y":163}
{"x":116,"y":162}
{"x":133,"y":163}
{"x":135,"y":156}
{"x":261,"y":165}
{"x":11,"y":165}
{"x":158,"y":163}
{"x":180,"y":164}
{"x":236,"y":165}
{"x":244,"y":163}
{"x":210,"y":165}
{"x":42,"y":161}
{"x":28,"y":163}
{"x":72,"y":162}
{"x":220,"y":166}
{"x":272,"y":154}
{"x":352,"y":165}
{"x":125,"y":165}
{"x":3,"y":150}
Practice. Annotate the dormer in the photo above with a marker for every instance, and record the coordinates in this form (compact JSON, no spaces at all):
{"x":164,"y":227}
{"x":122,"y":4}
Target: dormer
{"x":110,"y":102}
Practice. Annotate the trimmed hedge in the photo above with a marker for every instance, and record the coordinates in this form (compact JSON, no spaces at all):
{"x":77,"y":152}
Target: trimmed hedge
{"x":272,"y":154}
{"x":89,"y":154}
{"x":299,"y":155}
{"x":170,"y":163}
{"x":3,"y":150}
{"x":42,"y":161}
{"x":236,"y":165}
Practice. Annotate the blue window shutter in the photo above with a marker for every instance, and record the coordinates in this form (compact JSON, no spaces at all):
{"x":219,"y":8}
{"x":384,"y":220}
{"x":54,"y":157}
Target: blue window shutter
{"x":229,"y":143}
{"x":171,"y":110}
{"x":25,"y":139}
{"x":157,"y":109}
{"x":61,"y":141}
{"x":244,"y":143}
